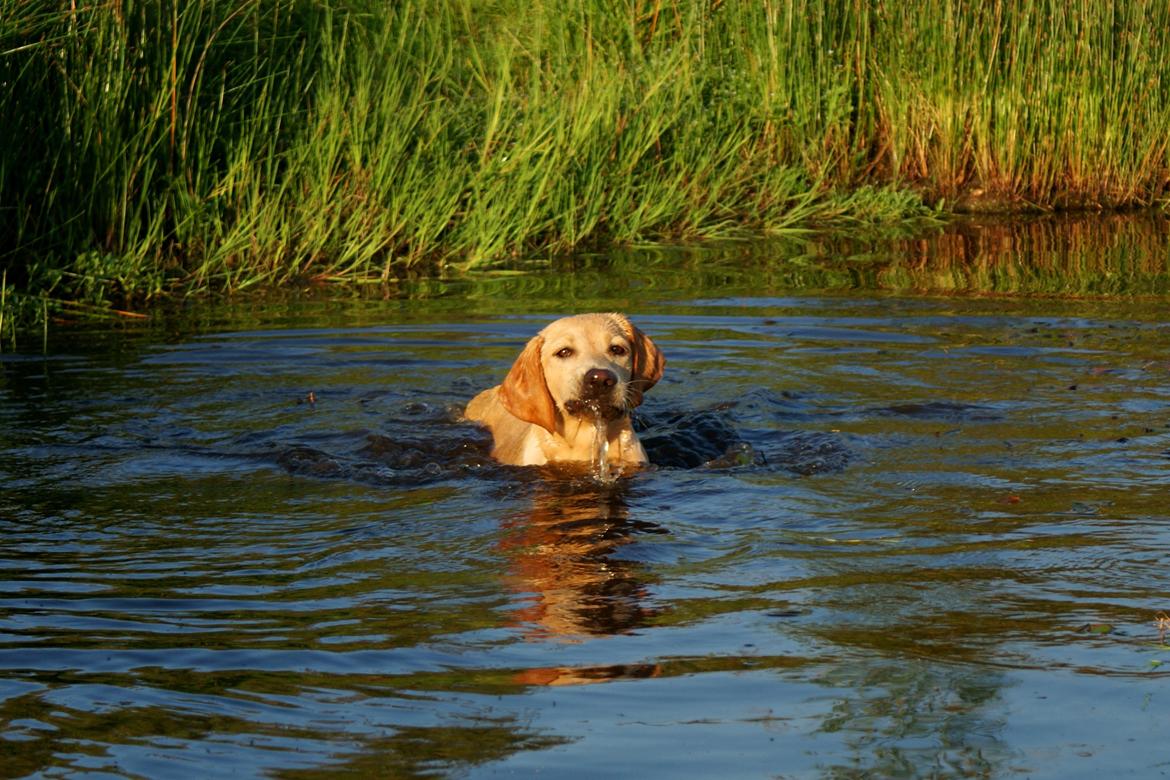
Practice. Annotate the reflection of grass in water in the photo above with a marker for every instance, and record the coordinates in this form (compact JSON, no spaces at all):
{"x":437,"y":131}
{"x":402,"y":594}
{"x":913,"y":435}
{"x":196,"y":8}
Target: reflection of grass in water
{"x":1083,"y":257}
{"x":1080,"y":257}
{"x":233,"y":145}
{"x":1087,"y":258}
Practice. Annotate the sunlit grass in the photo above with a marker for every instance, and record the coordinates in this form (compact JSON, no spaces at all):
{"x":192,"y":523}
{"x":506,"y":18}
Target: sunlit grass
{"x":156,"y":148}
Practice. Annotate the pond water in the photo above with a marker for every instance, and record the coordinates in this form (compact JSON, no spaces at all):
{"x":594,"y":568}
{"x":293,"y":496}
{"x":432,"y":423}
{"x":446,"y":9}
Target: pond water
{"x":909,"y":517}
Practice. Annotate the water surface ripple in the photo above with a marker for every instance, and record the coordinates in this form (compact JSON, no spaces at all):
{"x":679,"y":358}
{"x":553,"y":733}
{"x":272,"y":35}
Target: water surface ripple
{"x":886,"y":536}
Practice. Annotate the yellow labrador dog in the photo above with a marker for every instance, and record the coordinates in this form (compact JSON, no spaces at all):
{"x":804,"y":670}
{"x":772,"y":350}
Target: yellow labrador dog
{"x":577,"y":374}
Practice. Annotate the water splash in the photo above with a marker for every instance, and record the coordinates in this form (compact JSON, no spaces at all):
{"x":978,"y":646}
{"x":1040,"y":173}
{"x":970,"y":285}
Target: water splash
{"x":601,"y":449}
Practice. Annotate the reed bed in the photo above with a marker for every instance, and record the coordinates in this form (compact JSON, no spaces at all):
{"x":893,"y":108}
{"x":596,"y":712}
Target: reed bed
{"x":155,"y":148}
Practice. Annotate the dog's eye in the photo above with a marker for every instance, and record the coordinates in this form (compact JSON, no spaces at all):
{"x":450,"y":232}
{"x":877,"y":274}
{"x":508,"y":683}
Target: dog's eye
{"x":617,"y":350}
{"x":564,"y":352}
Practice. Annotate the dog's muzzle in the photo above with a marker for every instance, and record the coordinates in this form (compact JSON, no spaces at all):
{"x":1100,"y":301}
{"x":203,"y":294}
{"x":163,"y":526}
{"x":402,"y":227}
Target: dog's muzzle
{"x":596,"y":396}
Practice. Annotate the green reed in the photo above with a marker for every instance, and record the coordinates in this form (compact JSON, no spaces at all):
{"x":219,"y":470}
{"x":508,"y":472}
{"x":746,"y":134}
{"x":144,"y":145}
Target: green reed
{"x":150,"y":148}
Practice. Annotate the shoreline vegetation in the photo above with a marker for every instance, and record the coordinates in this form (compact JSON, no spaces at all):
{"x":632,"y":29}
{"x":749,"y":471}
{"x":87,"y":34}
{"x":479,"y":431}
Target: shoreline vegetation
{"x":156,"y":149}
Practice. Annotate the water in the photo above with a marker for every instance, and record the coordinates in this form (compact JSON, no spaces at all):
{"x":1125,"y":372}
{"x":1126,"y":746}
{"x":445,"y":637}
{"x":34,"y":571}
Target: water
{"x":893,"y":531}
{"x":601,"y":443}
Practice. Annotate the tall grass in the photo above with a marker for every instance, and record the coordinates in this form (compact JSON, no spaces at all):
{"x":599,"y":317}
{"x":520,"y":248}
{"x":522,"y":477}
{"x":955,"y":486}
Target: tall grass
{"x":154,"y":147}
{"x":1060,"y":104}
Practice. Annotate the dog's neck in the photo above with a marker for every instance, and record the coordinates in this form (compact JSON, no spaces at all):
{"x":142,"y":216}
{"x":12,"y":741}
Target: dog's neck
{"x":577,"y":437}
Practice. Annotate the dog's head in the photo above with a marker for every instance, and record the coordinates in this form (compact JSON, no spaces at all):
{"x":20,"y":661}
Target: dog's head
{"x":589,"y":365}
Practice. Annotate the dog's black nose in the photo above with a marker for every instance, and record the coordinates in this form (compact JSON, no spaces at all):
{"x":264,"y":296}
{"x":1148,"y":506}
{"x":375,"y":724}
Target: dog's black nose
{"x":598,"y":379}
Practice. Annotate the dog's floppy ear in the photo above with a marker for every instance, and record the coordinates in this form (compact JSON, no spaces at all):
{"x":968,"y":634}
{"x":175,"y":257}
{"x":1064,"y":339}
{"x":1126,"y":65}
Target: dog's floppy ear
{"x":524,"y":392}
{"x":648,"y":363}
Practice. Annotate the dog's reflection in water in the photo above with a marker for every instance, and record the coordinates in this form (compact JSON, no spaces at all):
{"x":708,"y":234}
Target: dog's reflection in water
{"x":566,"y":560}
